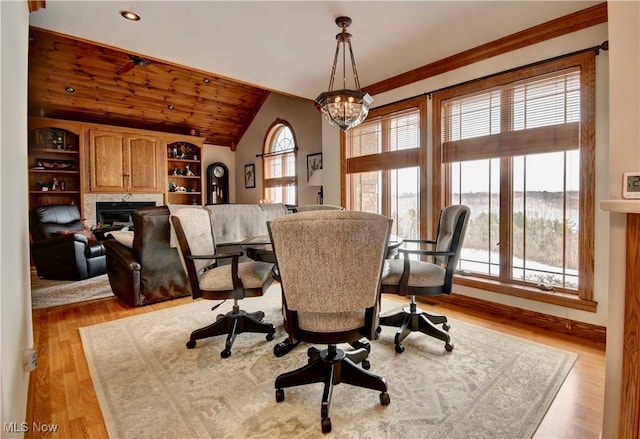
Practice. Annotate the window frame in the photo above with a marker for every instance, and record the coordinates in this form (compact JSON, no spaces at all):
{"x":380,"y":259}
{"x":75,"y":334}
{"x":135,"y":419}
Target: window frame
{"x":268,"y":183}
{"x":442,"y":177}
{"x":391,"y":160}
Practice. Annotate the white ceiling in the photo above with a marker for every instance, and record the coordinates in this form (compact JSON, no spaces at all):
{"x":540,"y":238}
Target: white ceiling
{"x":288,"y":46}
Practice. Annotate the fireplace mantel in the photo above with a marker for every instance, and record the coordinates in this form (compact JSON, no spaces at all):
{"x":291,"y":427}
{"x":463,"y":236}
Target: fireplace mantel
{"x":90,"y":200}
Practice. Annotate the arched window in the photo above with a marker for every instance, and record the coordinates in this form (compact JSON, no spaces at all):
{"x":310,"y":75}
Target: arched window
{"x":279,"y":164}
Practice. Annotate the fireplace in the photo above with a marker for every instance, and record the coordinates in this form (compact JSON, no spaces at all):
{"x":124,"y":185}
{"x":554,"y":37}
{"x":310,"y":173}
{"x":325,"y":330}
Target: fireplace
{"x":119,"y":213}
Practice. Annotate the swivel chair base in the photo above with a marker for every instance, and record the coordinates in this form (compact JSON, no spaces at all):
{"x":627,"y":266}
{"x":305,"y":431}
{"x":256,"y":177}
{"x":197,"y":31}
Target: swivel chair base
{"x":333,"y":366}
{"x":414,"y":319}
{"x":233,"y":323}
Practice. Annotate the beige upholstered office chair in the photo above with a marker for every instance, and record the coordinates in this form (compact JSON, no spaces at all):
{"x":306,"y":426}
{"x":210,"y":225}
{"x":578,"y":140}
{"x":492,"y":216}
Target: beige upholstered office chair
{"x":208,"y":280}
{"x":420,"y":278}
{"x":330,"y":264}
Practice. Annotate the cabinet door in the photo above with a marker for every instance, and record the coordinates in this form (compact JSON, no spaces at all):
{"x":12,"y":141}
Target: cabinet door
{"x":108,"y":161}
{"x":143,"y":163}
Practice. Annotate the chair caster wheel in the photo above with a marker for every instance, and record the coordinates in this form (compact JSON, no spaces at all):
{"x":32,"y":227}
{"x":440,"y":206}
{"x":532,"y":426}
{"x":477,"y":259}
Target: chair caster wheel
{"x":226,"y":353}
{"x":446,"y":326}
{"x":191,"y":344}
{"x":270,"y":336}
{"x":384,"y":398}
{"x":326,"y":425}
{"x":279,"y":395}
{"x":283,"y":348}
{"x":448,"y":347}
{"x":399,"y":348}
{"x":366,"y":365}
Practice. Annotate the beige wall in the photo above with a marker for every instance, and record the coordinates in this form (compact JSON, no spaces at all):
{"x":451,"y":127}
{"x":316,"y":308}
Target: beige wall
{"x":305,"y":121}
{"x":15,"y":303}
{"x":624,"y":155}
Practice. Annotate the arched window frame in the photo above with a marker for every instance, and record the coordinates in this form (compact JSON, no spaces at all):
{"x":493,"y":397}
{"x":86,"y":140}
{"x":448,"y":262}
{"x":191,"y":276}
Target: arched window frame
{"x":280,"y":169}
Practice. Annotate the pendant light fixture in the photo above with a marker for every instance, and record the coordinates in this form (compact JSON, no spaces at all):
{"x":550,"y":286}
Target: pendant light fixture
{"x":345,"y":108}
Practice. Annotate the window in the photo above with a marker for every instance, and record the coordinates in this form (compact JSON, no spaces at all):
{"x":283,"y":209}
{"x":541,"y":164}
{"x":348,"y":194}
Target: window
{"x":383,"y":165}
{"x":518,"y":149}
{"x":279,"y":164}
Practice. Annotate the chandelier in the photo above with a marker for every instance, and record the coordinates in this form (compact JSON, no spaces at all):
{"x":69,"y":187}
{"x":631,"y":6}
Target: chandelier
{"x":345,"y":108}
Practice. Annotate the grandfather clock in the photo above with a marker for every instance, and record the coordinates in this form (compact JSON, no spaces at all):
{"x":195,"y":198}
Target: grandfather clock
{"x":217,"y":183}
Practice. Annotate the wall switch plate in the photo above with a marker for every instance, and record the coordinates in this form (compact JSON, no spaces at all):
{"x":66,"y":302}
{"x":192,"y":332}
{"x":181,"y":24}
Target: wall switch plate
{"x":29,"y":359}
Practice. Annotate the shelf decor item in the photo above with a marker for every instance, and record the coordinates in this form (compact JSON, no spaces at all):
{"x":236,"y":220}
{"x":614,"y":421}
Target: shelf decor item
{"x":61,"y":165}
{"x":56,"y":139}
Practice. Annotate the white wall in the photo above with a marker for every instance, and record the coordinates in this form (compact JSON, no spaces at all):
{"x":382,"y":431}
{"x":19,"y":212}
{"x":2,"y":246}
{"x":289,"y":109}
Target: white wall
{"x":624,"y":155}
{"x":583,"y":39}
{"x":306,"y":123}
{"x":15,"y":297}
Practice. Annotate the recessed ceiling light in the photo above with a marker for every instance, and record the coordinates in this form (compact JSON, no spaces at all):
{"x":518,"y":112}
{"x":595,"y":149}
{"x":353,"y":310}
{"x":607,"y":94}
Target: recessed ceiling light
{"x":70,"y":89}
{"x":206,"y":80}
{"x":170,"y":107}
{"x":130,"y":15}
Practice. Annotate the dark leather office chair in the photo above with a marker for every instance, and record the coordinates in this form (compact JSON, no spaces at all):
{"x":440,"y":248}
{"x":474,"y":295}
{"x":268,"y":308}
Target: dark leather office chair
{"x":61,"y":247}
{"x":231,"y":281}
{"x":420,"y":278}
{"x":330,"y":265}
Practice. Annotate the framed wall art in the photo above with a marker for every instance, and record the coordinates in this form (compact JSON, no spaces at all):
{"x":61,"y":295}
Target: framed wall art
{"x":249,"y":176}
{"x":314,"y":162}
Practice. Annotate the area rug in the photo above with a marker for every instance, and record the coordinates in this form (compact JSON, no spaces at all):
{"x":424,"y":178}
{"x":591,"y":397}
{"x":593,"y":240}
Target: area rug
{"x":149,"y":385}
{"x":50,"y":293}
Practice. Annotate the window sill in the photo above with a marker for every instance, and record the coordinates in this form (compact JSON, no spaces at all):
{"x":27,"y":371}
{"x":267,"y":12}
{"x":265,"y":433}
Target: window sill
{"x":530,"y":293}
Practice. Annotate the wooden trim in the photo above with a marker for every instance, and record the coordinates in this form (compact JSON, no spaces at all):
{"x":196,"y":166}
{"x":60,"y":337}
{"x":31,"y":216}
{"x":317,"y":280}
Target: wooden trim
{"x":587,"y":208}
{"x":513,"y":143}
{"x":629,"y":421}
{"x":551,"y":29}
{"x":384,"y":161}
{"x":553,"y":324}
{"x":34,"y":5}
{"x":527,"y":292}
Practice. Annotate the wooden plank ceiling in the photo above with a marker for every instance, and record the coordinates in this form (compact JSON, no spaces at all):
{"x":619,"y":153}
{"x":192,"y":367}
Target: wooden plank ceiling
{"x":112,"y":89}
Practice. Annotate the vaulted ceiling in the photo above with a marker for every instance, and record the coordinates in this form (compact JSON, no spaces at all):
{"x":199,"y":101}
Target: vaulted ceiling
{"x":244,"y":49}
{"x":76,"y":80}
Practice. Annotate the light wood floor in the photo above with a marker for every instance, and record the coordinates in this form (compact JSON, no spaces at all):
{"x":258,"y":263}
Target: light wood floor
{"x":61,"y":392}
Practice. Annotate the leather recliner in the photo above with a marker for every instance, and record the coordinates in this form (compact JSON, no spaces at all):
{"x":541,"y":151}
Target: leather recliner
{"x":60,"y":249}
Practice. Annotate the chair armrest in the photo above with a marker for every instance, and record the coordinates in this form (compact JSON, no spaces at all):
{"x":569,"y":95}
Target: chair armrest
{"x":420,"y":241}
{"x":427,"y":252}
{"x":94,"y":250}
{"x":59,"y":240}
{"x":121,"y":255}
{"x":217,"y":256}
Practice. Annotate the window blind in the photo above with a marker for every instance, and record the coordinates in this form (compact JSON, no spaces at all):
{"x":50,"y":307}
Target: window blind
{"x":531,"y":116}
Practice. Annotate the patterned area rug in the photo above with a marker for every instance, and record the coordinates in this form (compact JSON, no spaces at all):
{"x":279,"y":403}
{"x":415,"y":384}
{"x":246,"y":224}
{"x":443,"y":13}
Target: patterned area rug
{"x":150,"y":385}
{"x":49,"y":293}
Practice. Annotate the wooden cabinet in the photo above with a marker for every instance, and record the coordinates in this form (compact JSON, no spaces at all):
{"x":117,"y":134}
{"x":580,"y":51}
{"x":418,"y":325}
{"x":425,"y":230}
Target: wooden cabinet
{"x":184,"y":169}
{"x":68,"y":159}
{"x":124,"y":162}
{"x":54,"y":162}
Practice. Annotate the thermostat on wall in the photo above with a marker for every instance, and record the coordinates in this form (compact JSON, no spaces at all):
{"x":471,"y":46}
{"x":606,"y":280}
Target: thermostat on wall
{"x":631,"y":185}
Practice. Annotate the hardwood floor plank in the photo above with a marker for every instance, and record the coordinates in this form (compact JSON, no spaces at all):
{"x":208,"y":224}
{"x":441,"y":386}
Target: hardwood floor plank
{"x":61,"y":391}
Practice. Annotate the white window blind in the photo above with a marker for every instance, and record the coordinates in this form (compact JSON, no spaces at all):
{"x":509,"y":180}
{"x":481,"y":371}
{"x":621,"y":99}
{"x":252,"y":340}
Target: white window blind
{"x":535,"y":116}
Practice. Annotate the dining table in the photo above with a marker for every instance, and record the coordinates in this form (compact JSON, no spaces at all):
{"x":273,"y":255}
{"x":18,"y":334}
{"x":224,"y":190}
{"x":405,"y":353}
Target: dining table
{"x":259,"y":248}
